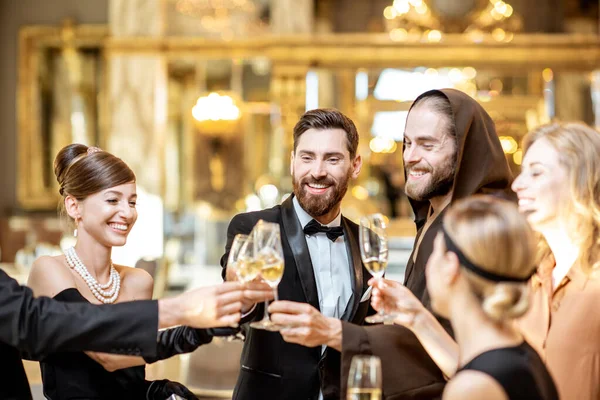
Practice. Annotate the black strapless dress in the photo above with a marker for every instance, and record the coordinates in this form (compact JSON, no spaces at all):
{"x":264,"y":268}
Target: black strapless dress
{"x":519,"y":370}
{"x":75,"y":376}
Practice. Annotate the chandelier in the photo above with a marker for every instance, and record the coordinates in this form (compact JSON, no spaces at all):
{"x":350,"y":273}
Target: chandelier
{"x":217,"y":114}
{"x":428,"y":20}
{"x":225,"y":18}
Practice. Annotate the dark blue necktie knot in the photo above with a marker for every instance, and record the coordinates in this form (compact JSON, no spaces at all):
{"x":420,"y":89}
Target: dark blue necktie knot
{"x":332,"y":232}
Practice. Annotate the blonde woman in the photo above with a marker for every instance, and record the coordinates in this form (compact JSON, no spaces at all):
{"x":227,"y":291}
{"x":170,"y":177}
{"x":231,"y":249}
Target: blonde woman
{"x":559,"y":192}
{"x":477,"y":276}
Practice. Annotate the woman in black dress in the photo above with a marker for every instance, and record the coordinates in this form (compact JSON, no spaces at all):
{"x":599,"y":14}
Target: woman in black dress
{"x":99,"y":195}
{"x":477,"y":276}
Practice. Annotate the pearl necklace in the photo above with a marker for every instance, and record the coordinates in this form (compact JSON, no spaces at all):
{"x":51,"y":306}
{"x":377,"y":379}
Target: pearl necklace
{"x":103,"y":292}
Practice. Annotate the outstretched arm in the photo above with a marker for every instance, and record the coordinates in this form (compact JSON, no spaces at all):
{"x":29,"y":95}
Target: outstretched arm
{"x":394,"y":297}
{"x":39,"y":326}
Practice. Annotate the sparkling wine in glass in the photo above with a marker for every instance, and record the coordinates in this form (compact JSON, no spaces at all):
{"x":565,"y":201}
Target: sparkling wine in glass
{"x":269,"y":255}
{"x":374,"y":253}
{"x":247,"y":266}
{"x":233,"y":260}
{"x":364,"y":380}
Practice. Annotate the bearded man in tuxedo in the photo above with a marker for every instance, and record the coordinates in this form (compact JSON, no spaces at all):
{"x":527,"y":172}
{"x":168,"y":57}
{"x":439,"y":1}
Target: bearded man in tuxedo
{"x":324,"y":281}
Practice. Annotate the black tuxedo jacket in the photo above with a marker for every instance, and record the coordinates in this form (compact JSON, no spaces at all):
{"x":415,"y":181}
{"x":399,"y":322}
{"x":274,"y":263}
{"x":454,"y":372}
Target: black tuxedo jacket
{"x":34,"y":327}
{"x":270,"y":367}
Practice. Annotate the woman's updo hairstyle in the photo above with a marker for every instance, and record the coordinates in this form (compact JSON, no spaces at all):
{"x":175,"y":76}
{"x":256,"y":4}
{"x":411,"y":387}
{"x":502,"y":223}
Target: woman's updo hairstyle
{"x":494,"y":236}
{"x":82,"y":171}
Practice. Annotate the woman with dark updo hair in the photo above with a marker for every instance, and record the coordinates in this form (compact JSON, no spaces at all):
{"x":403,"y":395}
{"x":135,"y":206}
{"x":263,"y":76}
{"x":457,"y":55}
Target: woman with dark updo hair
{"x":99,"y":196}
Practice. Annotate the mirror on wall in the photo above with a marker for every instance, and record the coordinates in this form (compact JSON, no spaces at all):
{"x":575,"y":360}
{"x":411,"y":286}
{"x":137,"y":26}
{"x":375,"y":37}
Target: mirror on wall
{"x":62,"y":78}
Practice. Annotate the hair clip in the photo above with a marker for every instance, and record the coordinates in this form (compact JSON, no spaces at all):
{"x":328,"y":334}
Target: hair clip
{"x":93,"y":149}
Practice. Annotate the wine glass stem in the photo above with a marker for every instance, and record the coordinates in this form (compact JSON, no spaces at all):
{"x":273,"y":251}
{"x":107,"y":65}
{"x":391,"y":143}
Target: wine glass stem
{"x":266,"y":313}
{"x":381,"y":311}
{"x":275,"y":298}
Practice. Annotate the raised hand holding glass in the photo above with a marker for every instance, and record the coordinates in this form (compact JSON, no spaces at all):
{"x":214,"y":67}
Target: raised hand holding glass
{"x":374,"y":253}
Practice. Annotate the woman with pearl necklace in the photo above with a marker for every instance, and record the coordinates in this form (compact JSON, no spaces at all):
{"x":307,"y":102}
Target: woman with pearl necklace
{"x":99,"y":197}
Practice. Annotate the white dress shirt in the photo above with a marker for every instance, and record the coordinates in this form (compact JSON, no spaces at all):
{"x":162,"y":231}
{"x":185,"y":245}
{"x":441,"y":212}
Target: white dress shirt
{"x":330,"y":268}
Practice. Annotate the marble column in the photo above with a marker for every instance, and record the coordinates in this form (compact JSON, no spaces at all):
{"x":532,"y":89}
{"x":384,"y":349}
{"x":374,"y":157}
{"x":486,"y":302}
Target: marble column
{"x":138,"y":93}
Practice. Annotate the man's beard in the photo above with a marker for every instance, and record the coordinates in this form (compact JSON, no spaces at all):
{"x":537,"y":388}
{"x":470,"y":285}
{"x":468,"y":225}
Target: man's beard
{"x":442,"y":179}
{"x":319,"y":205}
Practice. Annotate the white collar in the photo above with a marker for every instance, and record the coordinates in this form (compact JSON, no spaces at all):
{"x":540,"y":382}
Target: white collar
{"x":305,"y":217}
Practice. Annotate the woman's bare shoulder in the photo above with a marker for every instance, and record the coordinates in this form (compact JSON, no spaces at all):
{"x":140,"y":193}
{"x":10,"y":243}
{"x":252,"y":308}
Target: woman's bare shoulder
{"x":137,"y":281}
{"x":471,"y":384}
{"x":50,"y":275}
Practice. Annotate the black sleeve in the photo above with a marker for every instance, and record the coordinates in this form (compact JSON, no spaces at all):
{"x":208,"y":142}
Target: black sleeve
{"x":39,"y":326}
{"x":180,"y":340}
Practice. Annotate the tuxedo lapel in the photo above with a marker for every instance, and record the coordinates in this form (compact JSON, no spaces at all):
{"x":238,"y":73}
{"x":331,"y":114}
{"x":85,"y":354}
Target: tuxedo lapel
{"x":353,"y":251}
{"x":295,"y":237}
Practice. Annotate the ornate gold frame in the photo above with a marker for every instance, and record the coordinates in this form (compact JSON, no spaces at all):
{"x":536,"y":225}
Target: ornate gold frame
{"x":296,"y":52}
{"x":573,"y":52}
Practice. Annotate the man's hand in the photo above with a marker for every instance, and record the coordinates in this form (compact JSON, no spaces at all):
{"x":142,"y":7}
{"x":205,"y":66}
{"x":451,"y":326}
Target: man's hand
{"x":393,"y":297}
{"x":305,"y":325}
{"x":113,"y":362}
{"x":207,"y":307}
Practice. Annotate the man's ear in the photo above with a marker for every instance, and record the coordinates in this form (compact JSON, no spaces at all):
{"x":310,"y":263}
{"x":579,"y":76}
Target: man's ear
{"x":72,"y":207}
{"x":356,"y":166}
{"x":292,"y":162}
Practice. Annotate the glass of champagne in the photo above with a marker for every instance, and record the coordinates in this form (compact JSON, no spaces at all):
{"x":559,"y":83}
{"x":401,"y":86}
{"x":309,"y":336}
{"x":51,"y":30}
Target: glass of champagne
{"x":374,"y":253}
{"x":241,"y":258}
{"x":269,"y":254}
{"x":238,"y":262}
{"x":364,"y":380}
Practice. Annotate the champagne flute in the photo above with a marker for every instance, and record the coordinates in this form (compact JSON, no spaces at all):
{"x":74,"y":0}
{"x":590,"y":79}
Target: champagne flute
{"x":269,"y":253}
{"x":242,"y":259}
{"x":364,"y":380}
{"x":374,"y":253}
{"x":237,"y":261}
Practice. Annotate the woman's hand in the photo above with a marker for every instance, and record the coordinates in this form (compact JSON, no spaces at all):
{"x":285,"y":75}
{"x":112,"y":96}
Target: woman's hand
{"x":394,"y":298}
{"x":163,"y":389}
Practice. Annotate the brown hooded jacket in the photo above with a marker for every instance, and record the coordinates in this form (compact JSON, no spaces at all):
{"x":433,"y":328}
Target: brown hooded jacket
{"x":408,"y":371}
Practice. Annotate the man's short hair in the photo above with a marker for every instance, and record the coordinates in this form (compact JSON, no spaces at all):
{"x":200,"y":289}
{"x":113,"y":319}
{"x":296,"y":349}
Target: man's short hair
{"x":327,"y":118}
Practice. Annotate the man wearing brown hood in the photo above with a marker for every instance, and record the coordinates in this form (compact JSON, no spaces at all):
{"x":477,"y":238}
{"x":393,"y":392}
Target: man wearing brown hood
{"x":451,"y":151}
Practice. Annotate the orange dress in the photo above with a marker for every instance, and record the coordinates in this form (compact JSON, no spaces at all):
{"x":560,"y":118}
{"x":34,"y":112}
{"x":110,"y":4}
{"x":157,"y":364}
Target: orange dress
{"x":564,"y":327}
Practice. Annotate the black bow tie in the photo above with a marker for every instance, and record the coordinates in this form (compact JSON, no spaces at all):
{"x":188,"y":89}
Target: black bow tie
{"x":332,"y":233}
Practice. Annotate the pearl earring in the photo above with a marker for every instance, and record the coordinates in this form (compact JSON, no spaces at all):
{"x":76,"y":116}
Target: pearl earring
{"x":75,"y":232}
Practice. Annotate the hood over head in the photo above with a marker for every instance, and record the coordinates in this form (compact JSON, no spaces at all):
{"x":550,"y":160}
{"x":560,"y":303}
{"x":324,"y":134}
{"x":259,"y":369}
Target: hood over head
{"x":482,"y":165}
